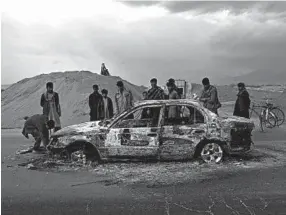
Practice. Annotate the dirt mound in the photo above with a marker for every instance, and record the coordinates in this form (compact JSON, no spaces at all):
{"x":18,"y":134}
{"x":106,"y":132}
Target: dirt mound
{"x":23,"y":98}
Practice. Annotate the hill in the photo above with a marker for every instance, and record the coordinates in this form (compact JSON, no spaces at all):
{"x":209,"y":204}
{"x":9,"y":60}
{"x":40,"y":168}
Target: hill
{"x":23,"y":98}
{"x":259,"y":77}
{"x":4,"y":87}
{"x":263,"y":77}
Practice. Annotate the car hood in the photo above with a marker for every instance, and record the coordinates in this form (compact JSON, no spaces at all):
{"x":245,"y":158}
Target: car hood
{"x":79,"y":129}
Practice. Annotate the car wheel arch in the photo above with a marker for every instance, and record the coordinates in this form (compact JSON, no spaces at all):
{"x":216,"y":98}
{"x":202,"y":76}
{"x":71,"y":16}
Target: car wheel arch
{"x":84,"y":145}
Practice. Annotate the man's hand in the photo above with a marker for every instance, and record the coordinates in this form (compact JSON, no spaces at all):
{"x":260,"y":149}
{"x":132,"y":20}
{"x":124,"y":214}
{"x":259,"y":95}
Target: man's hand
{"x":25,"y":135}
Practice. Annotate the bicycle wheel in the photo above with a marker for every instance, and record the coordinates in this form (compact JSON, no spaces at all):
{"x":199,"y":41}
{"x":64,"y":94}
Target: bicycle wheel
{"x":268,"y":122}
{"x":280,"y":116}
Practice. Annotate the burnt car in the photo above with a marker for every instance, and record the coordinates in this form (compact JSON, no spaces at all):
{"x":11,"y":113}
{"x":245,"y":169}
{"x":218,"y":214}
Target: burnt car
{"x":160,"y":130}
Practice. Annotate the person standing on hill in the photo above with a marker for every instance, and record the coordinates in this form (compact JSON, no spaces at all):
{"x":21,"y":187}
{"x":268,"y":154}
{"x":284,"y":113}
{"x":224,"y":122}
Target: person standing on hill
{"x":96,"y":105}
{"x":51,"y":105}
{"x":242,"y":103}
{"x":123,"y":98}
{"x":209,"y":96}
{"x":104,"y":71}
{"x":107,"y":105}
{"x":156,"y":92}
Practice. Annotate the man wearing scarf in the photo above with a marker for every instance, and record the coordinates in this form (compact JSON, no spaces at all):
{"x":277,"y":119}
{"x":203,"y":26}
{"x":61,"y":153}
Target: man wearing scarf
{"x":156,"y":92}
{"x":242,"y":103}
{"x":51,"y":105}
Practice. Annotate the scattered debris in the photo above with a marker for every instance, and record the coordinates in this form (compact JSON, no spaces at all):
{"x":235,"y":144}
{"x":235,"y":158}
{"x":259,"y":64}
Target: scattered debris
{"x":25,"y":151}
{"x":31,"y":167}
{"x":152,"y":174}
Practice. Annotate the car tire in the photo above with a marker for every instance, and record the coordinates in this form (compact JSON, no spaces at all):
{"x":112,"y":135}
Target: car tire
{"x":211,"y":152}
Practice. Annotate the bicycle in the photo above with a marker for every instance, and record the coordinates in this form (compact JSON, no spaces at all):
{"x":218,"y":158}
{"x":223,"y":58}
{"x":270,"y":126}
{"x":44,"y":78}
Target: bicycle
{"x":267,"y":119}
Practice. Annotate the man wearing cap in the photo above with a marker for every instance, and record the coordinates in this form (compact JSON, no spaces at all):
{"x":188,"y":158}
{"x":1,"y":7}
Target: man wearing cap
{"x":242,"y":103}
{"x":96,"y":105}
{"x":156,"y":92}
{"x":51,"y":105}
{"x":107,"y":105}
{"x":123,"y":98}
{"x":38,"y":126}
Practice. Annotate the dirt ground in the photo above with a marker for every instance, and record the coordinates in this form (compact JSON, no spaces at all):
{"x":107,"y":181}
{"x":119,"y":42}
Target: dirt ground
{"x":250,"y":184}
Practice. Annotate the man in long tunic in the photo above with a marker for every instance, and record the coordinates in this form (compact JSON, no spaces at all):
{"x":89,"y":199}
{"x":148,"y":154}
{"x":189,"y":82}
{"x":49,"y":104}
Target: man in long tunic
{"x":173,"y":94}
{"x":173,"y":82}
{"x":51,"y":105}
{"x":123,"y":98}
{"x":96,"y":105}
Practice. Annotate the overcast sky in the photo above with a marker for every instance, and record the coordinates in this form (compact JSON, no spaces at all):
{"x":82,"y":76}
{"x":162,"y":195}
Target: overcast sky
{"x":141,"y":40}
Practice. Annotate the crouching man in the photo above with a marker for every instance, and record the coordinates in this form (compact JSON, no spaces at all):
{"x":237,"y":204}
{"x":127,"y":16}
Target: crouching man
{"x":38,"y":126}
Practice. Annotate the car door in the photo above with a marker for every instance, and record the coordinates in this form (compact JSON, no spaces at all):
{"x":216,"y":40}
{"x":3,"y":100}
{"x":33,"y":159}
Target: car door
{"x":136,"y":134}
{"x":181,"y":132}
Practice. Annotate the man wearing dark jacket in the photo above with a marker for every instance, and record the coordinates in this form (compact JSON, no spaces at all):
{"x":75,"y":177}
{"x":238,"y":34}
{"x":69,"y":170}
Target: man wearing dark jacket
{"x":107,"y":105}
{"x":209,"y":96}
{"x":38,"y":126}
{"x":96,"y":105}
{"x":242,"y":103}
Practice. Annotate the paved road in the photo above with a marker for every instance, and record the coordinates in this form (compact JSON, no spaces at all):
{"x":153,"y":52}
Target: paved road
{"x":249,"y":191}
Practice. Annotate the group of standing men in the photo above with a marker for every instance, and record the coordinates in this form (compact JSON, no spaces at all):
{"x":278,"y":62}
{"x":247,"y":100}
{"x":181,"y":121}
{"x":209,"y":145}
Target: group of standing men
{"x":209,"y":96}
{"x":101,"y":106}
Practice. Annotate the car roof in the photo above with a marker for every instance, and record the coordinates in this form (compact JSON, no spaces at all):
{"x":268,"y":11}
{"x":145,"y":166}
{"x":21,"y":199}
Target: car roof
{"x":168,"y":102}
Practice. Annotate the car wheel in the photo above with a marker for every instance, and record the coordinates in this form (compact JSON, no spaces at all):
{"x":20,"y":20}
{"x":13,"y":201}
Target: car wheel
{"x":212,"y":153}
{"x":84,"y":159}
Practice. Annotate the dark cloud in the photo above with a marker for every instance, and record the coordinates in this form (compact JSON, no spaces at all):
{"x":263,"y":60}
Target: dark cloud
{"x":206,"y":7}
{"x":140,"y":3}
{"x":246,"y":49}
{"x":235,"y":7}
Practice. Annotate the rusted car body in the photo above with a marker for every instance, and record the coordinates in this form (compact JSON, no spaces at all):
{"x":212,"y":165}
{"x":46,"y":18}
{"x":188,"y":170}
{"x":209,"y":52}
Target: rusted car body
{"x":147,"y":132}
